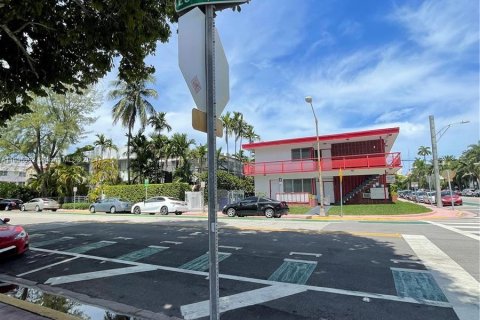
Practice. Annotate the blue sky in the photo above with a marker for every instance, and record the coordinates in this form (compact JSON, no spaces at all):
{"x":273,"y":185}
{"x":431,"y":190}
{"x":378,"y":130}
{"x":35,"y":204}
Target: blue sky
{"x":367,"y":64}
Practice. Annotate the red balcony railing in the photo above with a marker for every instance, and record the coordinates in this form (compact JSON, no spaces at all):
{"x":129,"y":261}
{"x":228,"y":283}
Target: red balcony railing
{"x":364,"y":161}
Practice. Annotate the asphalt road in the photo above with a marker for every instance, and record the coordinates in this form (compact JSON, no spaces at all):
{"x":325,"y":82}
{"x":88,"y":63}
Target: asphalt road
{"x":156,"y":267}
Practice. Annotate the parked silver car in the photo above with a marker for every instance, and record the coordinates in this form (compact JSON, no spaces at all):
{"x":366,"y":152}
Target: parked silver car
{"x":39,"y":204}
{"x":111,"y":205}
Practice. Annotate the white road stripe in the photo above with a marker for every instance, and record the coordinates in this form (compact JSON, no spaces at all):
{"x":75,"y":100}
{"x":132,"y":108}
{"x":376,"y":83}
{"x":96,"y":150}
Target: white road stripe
{"x":464,"y":233}
{"x":98,"y":274}
{"x":460,"y":288}
{"x":405,"y":261}
{"x":306,"y":254}
{"x":7,"y":248}
{"x":257,"y":281}
{"x":46,"y":267}
{"x":409,"y":270}
{"x":123,"y":238}
{"x":83,"y":234}
{"x":240,"y":300}
{"x":297,"y":260}
{"x":172,"y":242}
{"x":36,"y":235}
{"x":229,"y":247}
{"x":462,"y":224}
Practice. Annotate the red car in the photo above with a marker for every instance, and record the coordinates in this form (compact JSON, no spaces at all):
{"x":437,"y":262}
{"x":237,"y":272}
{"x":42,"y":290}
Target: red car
{"x":13,"y":239}
{"x":447,"y":199}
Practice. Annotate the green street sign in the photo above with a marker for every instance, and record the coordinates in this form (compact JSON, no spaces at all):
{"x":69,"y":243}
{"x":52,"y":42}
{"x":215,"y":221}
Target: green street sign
{"x":181,"y":5}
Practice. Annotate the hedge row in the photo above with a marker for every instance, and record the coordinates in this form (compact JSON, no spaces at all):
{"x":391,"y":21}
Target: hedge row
{"x":136,"y":193}
{"x":78,"y":205}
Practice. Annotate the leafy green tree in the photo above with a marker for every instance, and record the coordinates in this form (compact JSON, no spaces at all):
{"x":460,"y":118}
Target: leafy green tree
{"x":56,"y":122}
{"x":469,"y":165}
{"x":67,"y":177}
{"x":133,"y":104}
{"x":238,"y":126}
{"x":104,"y":172}
{"x":69,"y":45}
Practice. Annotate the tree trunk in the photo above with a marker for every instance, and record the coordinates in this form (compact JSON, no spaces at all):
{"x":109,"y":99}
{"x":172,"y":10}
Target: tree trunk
{"x":128,"y":154}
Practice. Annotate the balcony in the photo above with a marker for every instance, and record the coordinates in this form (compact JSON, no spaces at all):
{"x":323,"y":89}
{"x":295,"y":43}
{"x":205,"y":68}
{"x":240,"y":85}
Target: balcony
{"x":364,"y":161}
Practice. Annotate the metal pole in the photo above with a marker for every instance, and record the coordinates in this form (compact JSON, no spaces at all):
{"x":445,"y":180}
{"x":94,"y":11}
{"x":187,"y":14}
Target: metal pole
{"x":341,"y":197}
{"x":438,"y":196}
{"x":212,"y":164}
{"x":319,"y":160}
{"x":450,"y":188}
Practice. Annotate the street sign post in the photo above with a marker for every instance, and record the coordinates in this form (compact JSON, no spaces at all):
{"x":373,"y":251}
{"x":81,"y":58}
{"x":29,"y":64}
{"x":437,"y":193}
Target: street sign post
{"x":205,"y":68}
{"x":146,"y":187}
{"x":74,"y":196}
{"x":340,"y":175}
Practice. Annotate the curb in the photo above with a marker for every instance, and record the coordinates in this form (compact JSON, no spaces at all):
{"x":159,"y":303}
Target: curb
{"x":36,"y":309}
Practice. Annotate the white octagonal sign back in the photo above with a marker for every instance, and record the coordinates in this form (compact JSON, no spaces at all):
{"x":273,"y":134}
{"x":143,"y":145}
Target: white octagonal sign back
{"x":191,"y":59}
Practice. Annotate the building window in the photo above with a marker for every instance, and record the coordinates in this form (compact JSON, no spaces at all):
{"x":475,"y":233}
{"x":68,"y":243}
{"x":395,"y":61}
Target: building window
{"x":22,"y":174}
{"x":298,"y":185}
{"x":302,"y":153}
{"x":3,"y":173}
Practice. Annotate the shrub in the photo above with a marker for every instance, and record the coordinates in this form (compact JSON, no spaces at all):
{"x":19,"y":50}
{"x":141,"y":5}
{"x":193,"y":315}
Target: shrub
{"x":78,"y":205}
{"x":136,"y":193}
{"x":13,"y":191}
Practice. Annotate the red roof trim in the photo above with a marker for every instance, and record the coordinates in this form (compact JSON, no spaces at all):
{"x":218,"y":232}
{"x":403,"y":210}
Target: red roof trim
{"x":338,"y":136}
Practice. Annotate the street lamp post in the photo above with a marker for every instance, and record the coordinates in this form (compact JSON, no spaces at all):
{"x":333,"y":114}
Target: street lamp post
{"x":435,"y":136}
{"x":309,"y":100}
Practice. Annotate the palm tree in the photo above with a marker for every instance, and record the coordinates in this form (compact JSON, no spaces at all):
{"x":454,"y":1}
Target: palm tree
{"x":69,"y":177}
{"x":133,"y":103}
{"x":180,"y":145}
{"x":109,"y":145}
{"x":200,"y":153}
{"x":251,"y":136}
{"x":227,"y":125}
{"x":100,"y":142}
{"x":237,"y":126}
{"x":424,"y":151}
{"x":159,"y":122}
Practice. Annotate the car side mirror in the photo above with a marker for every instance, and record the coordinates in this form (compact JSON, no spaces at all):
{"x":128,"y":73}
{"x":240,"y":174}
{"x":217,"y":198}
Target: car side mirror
{"x":6,"y":220}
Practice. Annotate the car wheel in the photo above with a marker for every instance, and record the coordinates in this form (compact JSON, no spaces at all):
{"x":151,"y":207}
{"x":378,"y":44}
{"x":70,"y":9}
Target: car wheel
{"x":54,"y":210}
{"x":178,"y":213}
{"x":113,"y":210}
{"x":92,"y":209}
{"x":22,"y":208}
{"x":231,"y":212}
{"x":37,"y":208}
{"x":137,"y":210}
{"x":164,"y":210}
{"x":269,"y":213}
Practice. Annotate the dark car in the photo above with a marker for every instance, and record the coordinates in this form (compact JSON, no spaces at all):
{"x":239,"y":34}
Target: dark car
{"x":256,"y":206}
{"x":10,"y":204}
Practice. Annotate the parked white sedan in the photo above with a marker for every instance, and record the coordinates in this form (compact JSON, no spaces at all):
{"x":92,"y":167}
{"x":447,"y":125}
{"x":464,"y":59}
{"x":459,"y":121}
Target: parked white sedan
{"x":160,"y":204}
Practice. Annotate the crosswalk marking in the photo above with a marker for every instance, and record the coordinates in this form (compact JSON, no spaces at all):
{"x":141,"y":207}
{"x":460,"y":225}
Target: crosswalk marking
{"x":142,"y":253}
{"x":98,"y":274}
{"x":201,"y":263}
{"x":294,"y":271}
{"x":91,"y":246}
{"x":240,"y":300}
{"x":52,"y":241}
{"x":460,"y":288}
{"x":457,"y":230}
{"x":172,"y":242}
{"x":417,"y":284}
{"x":36,"y":235}
{"x":360,"y":294}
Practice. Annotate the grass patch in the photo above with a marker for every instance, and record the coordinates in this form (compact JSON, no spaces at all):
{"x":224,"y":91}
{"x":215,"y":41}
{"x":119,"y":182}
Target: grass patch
{"x":299,"y":209}
{"x":399,"y":207}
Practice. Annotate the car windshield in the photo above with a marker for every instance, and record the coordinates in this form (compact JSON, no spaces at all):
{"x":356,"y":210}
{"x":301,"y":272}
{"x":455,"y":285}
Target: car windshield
{"x":123,"y":200}
{"x":446,"y":193}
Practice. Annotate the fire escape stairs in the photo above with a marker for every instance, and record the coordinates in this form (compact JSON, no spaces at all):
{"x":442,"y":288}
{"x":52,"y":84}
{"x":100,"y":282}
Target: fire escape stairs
{"x":360,"y":188}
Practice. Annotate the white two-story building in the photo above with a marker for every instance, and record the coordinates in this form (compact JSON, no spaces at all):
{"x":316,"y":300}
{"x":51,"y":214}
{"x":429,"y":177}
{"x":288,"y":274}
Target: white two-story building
{"x":363,"y":162}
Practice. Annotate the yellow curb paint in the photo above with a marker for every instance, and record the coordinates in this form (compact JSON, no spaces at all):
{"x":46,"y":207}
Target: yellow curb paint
{"x":36,"y":309}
